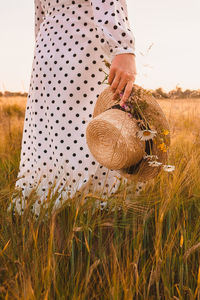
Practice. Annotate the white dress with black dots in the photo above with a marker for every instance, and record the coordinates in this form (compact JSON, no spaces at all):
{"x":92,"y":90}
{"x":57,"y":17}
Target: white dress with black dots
{"x":72,"y":38}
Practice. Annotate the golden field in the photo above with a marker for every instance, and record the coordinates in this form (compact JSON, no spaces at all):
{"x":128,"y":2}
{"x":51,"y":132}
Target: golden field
{"x":149,"y":251}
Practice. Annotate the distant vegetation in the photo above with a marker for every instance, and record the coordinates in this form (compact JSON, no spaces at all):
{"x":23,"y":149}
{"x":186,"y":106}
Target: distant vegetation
{"x":13,"y":94}
{"x":177,"y":93}
{"x":159,"y":93}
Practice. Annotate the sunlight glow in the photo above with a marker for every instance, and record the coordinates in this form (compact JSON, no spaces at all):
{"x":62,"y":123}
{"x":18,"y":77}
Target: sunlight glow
{"x":167,"y":43}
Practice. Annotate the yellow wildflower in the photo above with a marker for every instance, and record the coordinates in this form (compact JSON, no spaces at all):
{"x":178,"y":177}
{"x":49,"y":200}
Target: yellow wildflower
{"x":162,"y":147}
{"x":165,"y":131}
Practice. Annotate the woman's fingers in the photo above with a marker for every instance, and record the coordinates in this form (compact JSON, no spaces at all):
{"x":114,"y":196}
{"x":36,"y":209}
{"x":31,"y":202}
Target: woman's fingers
{"x":122,"y":82}
{"x":127,"y":92}
{"x":121,"y":86}
{"x":115,"y":81}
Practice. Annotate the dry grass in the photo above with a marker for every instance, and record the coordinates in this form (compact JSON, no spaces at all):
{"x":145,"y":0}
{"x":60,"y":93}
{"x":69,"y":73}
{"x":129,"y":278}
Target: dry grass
{"x":150,"y":251}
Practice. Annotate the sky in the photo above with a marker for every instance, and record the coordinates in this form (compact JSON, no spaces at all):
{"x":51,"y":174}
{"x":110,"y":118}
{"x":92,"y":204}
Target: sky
{"x":166,"y":34}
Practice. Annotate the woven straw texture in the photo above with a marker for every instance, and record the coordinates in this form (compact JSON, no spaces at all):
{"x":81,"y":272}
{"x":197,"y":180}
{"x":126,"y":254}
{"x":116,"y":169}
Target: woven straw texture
{"x":111,"y":137}
{"x":154,"y":116}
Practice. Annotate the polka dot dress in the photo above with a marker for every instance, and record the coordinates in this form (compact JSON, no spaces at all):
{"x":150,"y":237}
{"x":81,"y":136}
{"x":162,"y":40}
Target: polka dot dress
{"x":72,"y":38}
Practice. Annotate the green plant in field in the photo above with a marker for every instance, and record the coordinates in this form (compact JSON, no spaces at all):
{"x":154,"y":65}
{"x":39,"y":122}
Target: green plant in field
{"x":148,"y":249}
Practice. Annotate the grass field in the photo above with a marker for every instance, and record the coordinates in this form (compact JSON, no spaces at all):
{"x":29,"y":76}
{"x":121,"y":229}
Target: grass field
{"x":150,"y":250}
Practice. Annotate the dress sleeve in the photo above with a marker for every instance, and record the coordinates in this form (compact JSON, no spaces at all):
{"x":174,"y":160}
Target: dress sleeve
{"x":39,"y":13}
{"x":112,"y":23}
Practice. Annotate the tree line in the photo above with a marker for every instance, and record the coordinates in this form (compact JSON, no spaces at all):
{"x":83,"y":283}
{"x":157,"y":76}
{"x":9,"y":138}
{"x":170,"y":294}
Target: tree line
{"x":13,"y":94}
{"x":177,"y":93}
{"x":158,"y":93}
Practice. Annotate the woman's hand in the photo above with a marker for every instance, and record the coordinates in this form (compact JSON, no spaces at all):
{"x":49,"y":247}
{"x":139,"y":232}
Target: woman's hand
{"x":122,"y":75}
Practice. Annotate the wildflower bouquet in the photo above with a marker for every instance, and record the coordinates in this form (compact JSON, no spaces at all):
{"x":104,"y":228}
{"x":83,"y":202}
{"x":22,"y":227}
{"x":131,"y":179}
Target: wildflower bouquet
{"x":154,"y":129}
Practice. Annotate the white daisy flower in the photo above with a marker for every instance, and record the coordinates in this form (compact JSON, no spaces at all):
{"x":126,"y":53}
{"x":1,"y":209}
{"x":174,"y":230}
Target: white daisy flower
{"x":150,"y":156}
{"x":168,"y":168}
{"x":154,"y":163}
{"x":146,"y":134}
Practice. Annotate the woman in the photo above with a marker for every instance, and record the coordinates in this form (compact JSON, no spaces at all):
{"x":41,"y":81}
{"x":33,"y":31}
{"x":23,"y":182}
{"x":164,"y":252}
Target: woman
{"x":72,"y":39}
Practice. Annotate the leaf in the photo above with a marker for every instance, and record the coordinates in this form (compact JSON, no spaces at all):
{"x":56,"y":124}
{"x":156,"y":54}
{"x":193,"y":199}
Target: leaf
{"x":4,"y":249}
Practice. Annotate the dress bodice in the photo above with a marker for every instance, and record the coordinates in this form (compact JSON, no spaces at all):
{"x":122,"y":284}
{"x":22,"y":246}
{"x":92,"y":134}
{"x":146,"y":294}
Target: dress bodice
{"x":110,"y":19}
